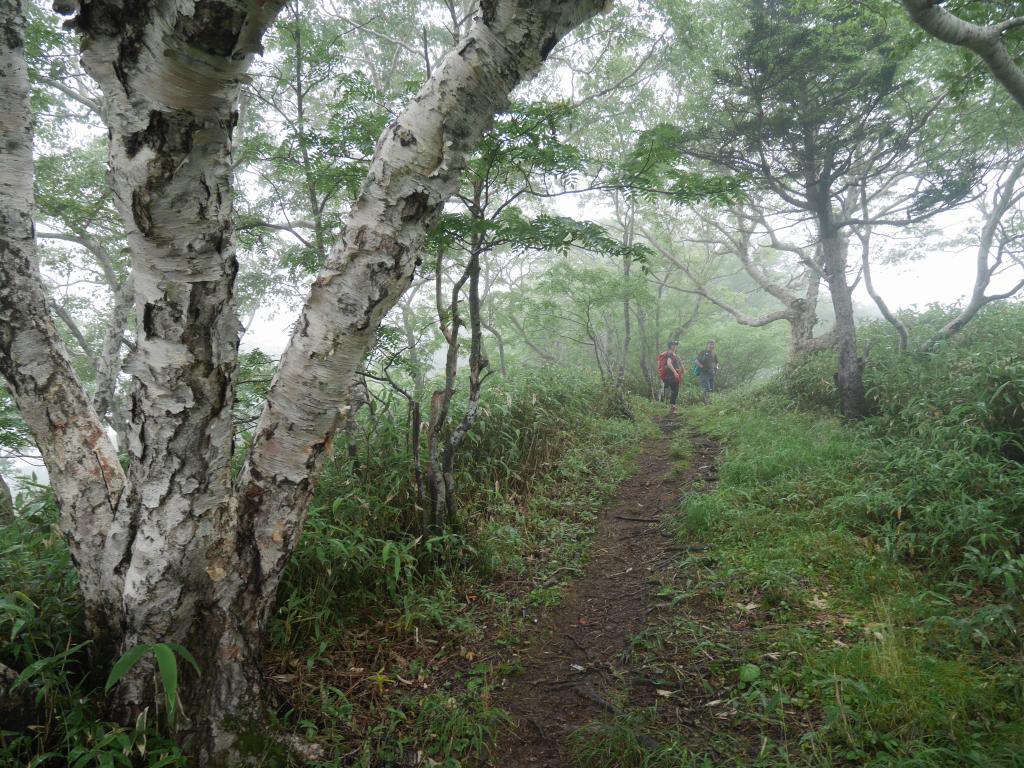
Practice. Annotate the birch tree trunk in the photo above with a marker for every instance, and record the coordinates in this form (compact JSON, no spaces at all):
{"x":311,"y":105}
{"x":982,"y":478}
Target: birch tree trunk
{"x":177,"y":552}
{"x":170,"y":76}
{"x":83,"y":466}
{"x":105,"y":399}
{"x":416,"y":167}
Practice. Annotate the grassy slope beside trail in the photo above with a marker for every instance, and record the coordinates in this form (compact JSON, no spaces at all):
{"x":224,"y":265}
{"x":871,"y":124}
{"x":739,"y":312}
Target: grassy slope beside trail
{"x":852,"y":594}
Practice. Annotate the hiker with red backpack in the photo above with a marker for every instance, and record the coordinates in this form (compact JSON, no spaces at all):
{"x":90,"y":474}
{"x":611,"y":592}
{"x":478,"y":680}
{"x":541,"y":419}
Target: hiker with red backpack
{"x":670,"y":371}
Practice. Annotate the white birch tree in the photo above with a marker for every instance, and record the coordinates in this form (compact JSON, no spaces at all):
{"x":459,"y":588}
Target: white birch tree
{"x":174,"y":549}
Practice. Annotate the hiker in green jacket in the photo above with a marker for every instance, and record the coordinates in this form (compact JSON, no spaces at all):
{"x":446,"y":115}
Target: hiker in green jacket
{"x":707,"y":365}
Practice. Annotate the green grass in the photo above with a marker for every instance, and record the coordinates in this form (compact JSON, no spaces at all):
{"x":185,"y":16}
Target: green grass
{"x":859,"y":648}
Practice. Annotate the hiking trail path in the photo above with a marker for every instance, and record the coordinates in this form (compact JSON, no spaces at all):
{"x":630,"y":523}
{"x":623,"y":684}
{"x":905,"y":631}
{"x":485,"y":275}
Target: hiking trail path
{"x":576,"y":658}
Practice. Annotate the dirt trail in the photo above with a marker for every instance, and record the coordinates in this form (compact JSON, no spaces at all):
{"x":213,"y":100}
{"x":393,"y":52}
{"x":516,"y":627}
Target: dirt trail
{"x":576,"y":655}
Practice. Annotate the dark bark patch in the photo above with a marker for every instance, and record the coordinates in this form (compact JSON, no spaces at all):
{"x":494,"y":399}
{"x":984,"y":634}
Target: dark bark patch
{"x":469,"y":46}
{"x":140,"y":212}
{"x":147,"y":320}
{"x":405,"y":137}
{"x":100,"y":18}
{"x":252,"y":491}
{"x":415,"y":205}
{"x":153,"y":135}
{"x":12,"y":39}
{"x":489,"y":11}
{"x":361,"y":236}
{"x":203,"y":198}
{"x":318,"y":448}
{"x":213,"y":27}
{"x":548,"y":47}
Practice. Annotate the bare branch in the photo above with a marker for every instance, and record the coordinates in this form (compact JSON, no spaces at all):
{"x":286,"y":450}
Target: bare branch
{"x":72,"y":93}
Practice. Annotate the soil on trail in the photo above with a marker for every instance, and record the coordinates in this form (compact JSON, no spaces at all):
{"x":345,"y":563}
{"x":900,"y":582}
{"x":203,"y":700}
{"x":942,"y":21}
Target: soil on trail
{"x":576,"y":657}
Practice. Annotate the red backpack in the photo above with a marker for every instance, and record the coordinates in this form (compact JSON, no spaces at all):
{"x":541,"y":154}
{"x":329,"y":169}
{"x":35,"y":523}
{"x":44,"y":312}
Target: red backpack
{"x":663,"y":371}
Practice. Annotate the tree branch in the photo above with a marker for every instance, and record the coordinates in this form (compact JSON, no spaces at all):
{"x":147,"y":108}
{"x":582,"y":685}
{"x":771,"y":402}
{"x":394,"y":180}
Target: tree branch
{"x":986,"y":42}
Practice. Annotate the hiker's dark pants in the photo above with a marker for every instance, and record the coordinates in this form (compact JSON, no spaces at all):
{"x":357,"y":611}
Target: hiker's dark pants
{"x":674,"y":387}
{"x":707,"y":381}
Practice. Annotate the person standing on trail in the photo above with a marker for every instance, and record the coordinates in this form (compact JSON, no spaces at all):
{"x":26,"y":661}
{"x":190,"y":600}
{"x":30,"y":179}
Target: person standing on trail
{"x":670,"y":371}
{"x":707,"y":366}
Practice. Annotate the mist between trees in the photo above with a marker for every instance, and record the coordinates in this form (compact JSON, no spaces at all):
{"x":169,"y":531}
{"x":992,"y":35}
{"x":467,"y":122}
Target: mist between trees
{"x":436,"y":196}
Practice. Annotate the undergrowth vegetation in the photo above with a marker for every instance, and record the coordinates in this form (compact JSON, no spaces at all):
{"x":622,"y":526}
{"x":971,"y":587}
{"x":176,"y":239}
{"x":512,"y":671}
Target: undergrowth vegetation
{"x":846,"y":595}
{"x":850,"y":595}
{"x":386,"y":643}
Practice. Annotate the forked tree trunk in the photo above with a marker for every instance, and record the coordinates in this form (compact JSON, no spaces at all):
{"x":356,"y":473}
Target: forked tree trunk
{"x":179,"y":552}
{"x":445,"y":439}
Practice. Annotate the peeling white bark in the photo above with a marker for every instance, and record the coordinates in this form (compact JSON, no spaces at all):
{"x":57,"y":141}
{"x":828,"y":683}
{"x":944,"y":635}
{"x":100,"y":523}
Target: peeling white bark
{"x":105,"y":399}
{"x":83,"y":466}
{"x":170,"y":75}
{"x":415,"y":168}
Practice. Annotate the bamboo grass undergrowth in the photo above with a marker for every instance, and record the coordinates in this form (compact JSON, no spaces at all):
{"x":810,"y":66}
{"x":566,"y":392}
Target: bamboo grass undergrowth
{"x":386,"y":642}
{"x":849,"y":594}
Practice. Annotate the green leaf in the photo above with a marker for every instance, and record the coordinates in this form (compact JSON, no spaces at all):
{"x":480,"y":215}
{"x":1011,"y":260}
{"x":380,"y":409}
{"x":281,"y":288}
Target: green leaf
{"x":171,"y":759}
{"x":121,"y":667}
{"x":37,"y":667}
{"x":167,"y":663}
{"x":749,"y":673}
{"x":182,"y":651}
{"x":40,"y":759}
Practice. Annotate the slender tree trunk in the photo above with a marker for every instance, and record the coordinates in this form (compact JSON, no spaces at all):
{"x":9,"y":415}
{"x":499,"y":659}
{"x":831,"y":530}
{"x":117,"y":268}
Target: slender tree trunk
{"x":627,"y":315}
{"x":83,"y":466}
{"x":105,"y":399}
{"x":849,"y":378}
{"x":477,"y":364}
{"x":449,"y":322}
{"x":500,"y":341}
{"x":901,"y":330}
{"x":415,"y":411}
{"x":646,"y":353}
{"x":6,"y":503}
{"x":415,"y":431}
